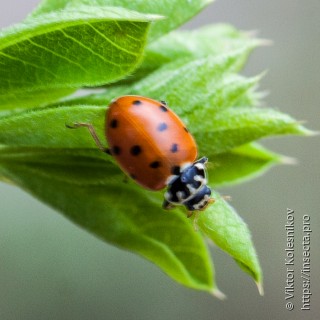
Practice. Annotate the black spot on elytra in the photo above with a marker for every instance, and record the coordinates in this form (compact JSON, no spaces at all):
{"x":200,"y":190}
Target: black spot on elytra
{"x":162,"y":126}
{"x":175,"y":170}
{"x":163,"y":107}
{"x":116,"y":150}
{"x":185,"y":129}
{"x":114,"y":123}
{"x":155,"y":164}
{"x":174,"y":148}
{"x":136,"y":102}
{"x":135,"y":150}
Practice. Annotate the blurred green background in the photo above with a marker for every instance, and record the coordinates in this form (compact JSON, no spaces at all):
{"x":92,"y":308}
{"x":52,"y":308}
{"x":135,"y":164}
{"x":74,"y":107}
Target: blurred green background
{"x":51,"y":269}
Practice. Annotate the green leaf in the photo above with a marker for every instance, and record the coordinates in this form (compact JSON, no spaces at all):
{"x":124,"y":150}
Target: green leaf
{"x":232,"y":91}
{"x":222,"y":131}
{"x":15,"y":99}
{"x":59,"y":51}
{"x":228,"y":231}
{"x":240,"y":164}
{"x":208,"y":41}
{"x":216,"y":39}
{"x":95,"y":99}
{"x":90,"y":191}
{"x":185,"y":76}
{"x":65,"y":45}
{"x":175,"y":11}
{"x":188,"y":86}
{"x":46,"y":127}
{"x":171,"y":82}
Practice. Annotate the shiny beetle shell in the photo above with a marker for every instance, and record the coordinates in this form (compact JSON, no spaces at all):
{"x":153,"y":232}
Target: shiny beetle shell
{"x":148,"y":140}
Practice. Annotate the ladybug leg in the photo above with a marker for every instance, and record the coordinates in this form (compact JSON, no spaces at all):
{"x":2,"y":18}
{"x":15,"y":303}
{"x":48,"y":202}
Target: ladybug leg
{"x":93,"y":133}
{"x":167,"y":205}
{"x":190,"y":214}
{"x":202,"y":160}
{"x":195,"y":221}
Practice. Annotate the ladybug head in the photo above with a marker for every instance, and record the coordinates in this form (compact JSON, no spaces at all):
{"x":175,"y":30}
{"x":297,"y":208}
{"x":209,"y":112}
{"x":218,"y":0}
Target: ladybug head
{"x":200,"y":200}
{"x":189,"y":187}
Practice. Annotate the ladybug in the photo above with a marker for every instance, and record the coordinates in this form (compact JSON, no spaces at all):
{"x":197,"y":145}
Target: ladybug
{"x":152,"y":145}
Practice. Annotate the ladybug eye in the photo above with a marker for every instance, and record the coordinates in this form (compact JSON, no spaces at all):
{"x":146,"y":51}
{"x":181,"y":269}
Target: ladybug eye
{"x":184,"y":179}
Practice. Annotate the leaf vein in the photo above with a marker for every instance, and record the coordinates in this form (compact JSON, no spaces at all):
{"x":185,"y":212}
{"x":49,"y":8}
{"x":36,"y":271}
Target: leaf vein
{"x":93,"y":52}
{"x":110,"y":41}
{"x":58,"y":55}
{"x":27,"y":63}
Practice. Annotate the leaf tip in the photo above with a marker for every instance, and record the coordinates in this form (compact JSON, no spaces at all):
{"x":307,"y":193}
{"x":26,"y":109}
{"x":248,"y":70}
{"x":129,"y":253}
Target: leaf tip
{"x":288,"y":160}
{"x":305,"y":131}
{"x":311,"y":133}
{"x":265,"y":42}
{"x":156,"y":17}
{"x":218,"y":294}
{"x":258,"y":41}
{"x":260,"y":288}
